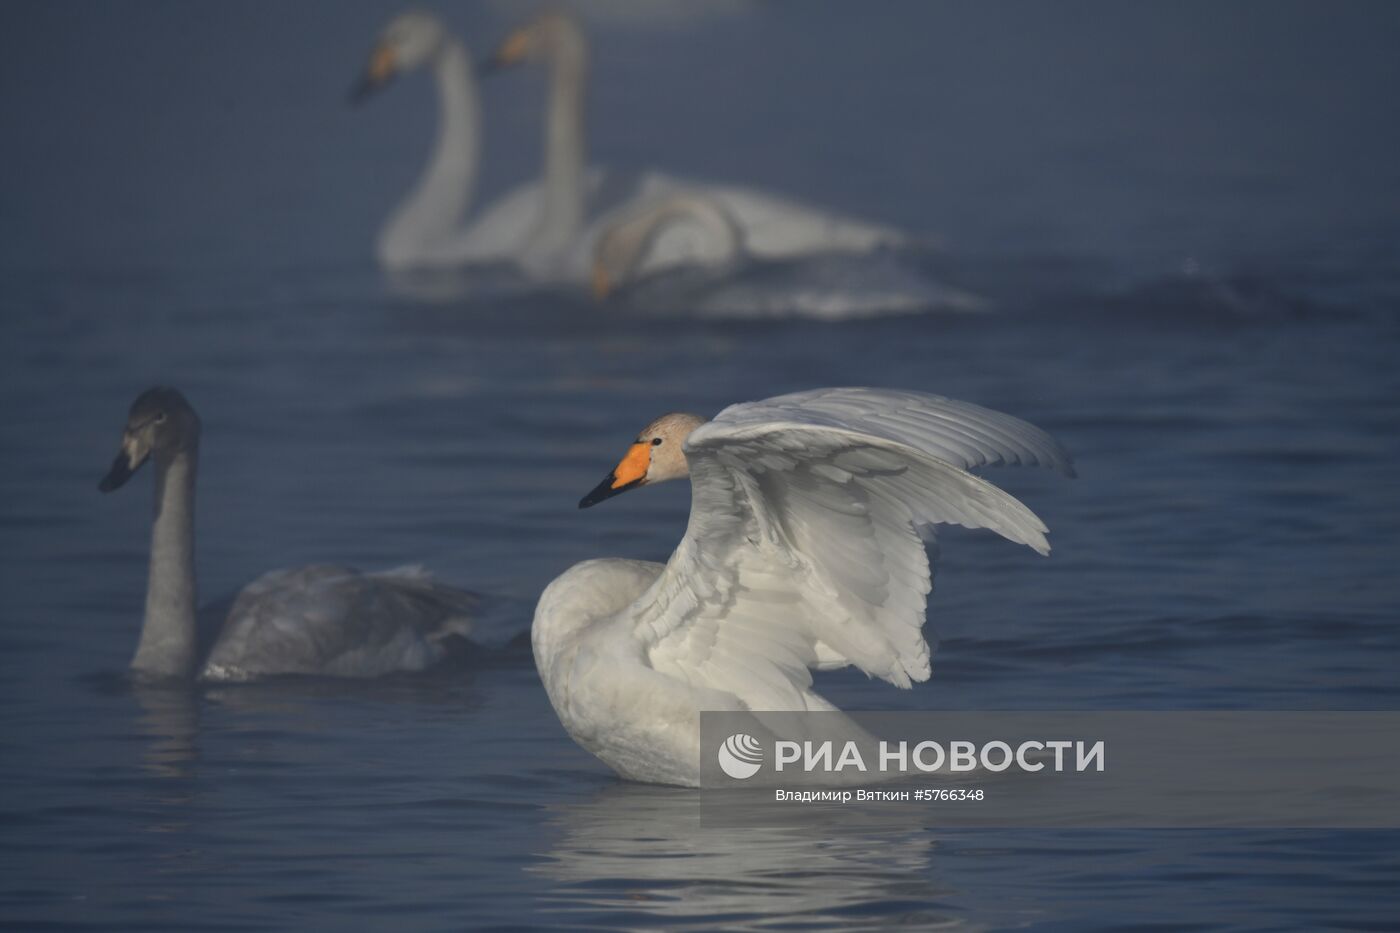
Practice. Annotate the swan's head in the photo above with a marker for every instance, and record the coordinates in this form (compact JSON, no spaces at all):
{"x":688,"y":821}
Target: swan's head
{"x":613,"y":258}
{"x":409,"y":40}
{"x":656,"y":455}
{"x":161,"y":424}
{"x":551,"y":37}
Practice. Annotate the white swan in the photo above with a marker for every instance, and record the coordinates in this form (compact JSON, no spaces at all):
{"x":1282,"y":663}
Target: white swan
{"x":802,"y":552}
{"x":428,"y":230}
{"x":695,"y":234}
{"x":320,"y":619}
{"x":575,"y":200}
{"x":680,"y":229}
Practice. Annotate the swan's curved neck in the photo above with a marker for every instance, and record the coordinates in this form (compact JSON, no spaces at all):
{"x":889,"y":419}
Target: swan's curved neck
{"x":723,"y":239}
{"x":433,"y":210}
{"x":561,"y":216}
{"x":167,"y":647}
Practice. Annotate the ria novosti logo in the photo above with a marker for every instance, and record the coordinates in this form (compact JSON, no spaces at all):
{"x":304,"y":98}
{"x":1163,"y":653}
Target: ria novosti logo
{"x":740,"y":756}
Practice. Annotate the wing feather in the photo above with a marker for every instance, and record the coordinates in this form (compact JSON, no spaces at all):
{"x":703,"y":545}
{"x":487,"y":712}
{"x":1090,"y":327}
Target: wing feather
{"x":959,"y":433}
{"x":806,"y":542}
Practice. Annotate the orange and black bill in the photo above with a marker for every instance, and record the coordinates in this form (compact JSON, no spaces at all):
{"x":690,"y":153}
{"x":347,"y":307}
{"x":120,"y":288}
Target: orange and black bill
{"x":380,"y":71}
{"x":632,"y":471}
{"x":510,"y":52}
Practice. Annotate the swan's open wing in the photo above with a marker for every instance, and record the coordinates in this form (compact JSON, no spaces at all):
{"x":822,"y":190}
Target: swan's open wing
{"x":959,"y":433}
{"x":803,"y":548}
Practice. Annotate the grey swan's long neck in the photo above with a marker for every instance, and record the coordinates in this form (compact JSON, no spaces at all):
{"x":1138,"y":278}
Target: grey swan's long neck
{"x":433,"y":212}
{"x":168,"y":641}
{"x":565,"y":141}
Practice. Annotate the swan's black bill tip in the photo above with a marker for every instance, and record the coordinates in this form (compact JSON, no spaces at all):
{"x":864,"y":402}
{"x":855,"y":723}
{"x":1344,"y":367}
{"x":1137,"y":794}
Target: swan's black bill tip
{"x":605,"y":490}
{"x":594,"y":497}
{"x":118,"y":475}
{"x":363,"y":89}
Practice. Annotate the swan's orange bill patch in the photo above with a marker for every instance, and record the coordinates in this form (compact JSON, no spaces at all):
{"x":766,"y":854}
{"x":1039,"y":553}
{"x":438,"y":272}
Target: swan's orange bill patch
{"x":513,"y":49}
{"x":633,"y":466}
{"x":382,"y":64}
{"x":602,"y":284}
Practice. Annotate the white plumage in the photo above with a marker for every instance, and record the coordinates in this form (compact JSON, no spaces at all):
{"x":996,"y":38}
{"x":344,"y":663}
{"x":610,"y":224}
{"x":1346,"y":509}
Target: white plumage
{"x":549,"y":227}
{"x":803,"y":551}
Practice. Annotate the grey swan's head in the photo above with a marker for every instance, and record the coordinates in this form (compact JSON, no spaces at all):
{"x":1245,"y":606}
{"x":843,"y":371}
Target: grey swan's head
{"x":161,"y":424}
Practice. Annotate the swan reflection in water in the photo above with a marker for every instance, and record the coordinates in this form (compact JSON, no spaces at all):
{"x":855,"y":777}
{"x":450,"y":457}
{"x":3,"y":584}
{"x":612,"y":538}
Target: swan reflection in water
{"x":169,"y":723}
{"x":642,"y":855}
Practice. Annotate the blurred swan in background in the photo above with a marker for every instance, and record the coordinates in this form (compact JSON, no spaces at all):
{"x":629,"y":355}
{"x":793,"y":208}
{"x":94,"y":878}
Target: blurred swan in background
{"x":428,"y":229}
{"x":688,"y":254}
{"x":319,"y":619}
{"x":663,"y":232}
{"x":803,"y":552}
{"x":576,"y":200}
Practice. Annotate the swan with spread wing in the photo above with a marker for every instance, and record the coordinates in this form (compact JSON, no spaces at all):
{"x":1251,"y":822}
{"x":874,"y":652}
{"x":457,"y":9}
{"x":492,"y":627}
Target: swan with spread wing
{"x":803,"y":552}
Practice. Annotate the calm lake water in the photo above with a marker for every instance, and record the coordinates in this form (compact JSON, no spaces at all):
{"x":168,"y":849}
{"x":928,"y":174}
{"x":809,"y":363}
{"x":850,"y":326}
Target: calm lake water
{"x":1195,"y":284}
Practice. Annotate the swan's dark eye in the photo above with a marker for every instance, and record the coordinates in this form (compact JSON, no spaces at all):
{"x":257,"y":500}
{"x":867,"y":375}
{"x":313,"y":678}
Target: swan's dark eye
{"x":159,"y":418}
{"x":656,"y":442}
